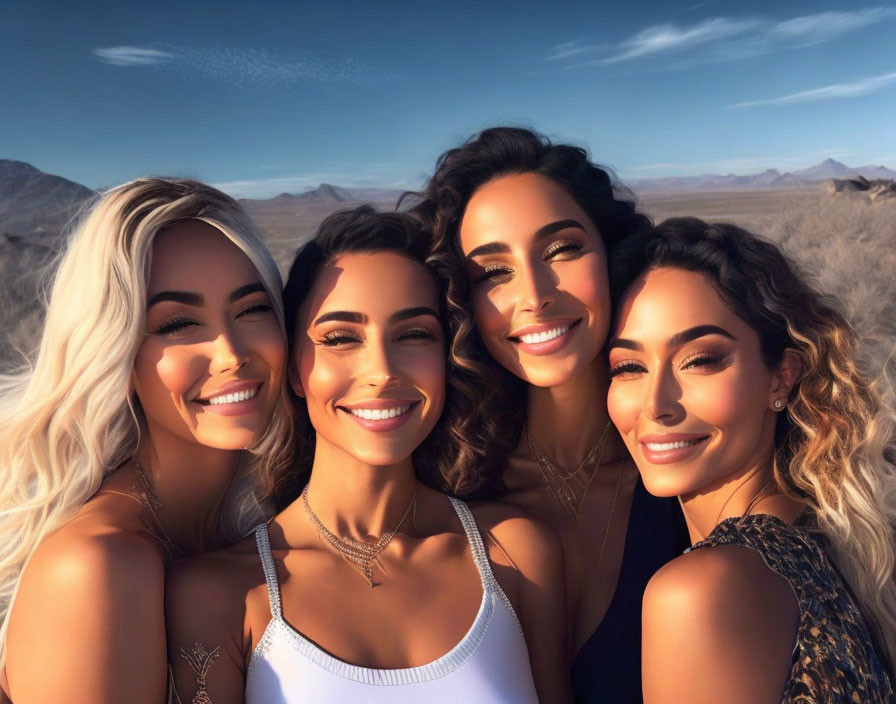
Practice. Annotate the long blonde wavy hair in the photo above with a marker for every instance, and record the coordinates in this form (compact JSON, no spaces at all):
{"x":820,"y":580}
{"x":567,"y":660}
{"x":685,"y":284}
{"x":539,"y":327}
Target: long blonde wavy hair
{"x":70,"y":419}
{"x":834,"y":445}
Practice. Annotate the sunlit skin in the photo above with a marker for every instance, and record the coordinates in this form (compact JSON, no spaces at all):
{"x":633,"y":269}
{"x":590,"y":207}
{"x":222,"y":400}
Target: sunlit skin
{"x":686,"y":370}
{"x":694,"y":401}
{"x":360,"y":349}
{"x":369,"y":340}
{"x":209,"y":331}
{"x":537,"y":269}
{"x":537,"y":265}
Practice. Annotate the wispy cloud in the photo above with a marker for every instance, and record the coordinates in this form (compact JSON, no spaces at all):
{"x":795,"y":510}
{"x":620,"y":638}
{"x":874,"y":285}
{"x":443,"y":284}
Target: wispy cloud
{"x":668,"y":37}
{"x":131,"y":56}
{"x":824,"y":26}
{"x":373,"y":175}
{"x":836,"y":91}
{"x":255,"y":68}
{"x":725,"y":38}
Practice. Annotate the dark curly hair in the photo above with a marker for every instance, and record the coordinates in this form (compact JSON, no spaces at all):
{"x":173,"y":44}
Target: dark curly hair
{"x":355,"y":231}
{"x":831,"y":443}
{"x":491,"y":402}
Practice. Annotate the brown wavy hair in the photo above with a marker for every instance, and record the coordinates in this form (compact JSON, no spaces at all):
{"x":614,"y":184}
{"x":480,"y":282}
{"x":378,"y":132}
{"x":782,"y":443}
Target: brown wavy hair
{"x":489,"y":408}
{"x":832,"y":444}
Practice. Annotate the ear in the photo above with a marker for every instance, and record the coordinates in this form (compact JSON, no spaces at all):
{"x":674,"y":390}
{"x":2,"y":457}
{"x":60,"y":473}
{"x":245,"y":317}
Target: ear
{"x":784,"y":378}
{"x":294,"y":380}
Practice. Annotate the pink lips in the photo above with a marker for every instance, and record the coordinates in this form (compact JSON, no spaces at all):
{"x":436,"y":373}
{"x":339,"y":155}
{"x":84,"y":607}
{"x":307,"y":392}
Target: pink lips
{"x":235,"y":407}
{"x":548,"y":346}
{"x":380,"y":425}
{"x":674,"y":447}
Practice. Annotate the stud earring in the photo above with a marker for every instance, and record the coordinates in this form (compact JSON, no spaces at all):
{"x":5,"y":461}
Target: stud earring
{"x":779,"y":404}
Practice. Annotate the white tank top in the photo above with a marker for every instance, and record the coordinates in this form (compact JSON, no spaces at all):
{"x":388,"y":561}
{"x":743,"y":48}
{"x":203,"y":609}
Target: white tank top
{"x":490,"y":665}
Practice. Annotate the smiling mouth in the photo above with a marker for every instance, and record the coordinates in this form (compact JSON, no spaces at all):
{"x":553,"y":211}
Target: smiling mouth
{"x":666,"y":446}
{"x":535,"y":338}
{"x":224,"y":399}
{"x":380,"y":413}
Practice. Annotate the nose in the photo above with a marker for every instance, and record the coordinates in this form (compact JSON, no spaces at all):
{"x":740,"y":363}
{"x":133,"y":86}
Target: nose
{"x":377,"y":367}
{"x":663,"y":398}
{"x":537,"y":289}
{"x":229,"y":352}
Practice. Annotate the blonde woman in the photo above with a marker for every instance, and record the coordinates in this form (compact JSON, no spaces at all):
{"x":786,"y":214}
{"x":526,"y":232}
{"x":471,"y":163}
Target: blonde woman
{"x":162,"y":359}
{"x":735,"y":387}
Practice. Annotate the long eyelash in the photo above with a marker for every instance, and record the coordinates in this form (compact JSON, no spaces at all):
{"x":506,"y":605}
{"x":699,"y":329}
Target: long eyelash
{"x":257,"y":308}
{"x":624,"y":367}
{"x":559,"y":247}
{"x":418,"y":333}
{"x":491,"y":272}
{"x":337,"y":337}
{"x":702,"y":359}
{"x":173,"y":325}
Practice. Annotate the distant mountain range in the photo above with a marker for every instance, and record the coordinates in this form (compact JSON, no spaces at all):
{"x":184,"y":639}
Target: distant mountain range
{"x":36,"y":205}
{"x":770,"y":178}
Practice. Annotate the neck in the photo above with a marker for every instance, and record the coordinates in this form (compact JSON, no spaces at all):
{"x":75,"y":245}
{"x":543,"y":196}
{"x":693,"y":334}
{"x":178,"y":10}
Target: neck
{"x":356,"y":499}
{"x":567,"y":420}
{"x":190,"y":481}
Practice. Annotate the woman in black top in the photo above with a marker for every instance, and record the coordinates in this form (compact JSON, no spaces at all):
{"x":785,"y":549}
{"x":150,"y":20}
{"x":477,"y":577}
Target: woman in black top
{"x":521,"y":230}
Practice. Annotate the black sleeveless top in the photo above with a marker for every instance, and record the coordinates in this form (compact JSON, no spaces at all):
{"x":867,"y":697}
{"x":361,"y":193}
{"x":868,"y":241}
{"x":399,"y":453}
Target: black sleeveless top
{"x":607,"y":668}
{"x":835,"y":659}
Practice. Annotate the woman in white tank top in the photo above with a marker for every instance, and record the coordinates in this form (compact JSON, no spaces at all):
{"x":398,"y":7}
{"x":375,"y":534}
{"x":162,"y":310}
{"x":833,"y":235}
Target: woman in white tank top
{"x":371,"y":586}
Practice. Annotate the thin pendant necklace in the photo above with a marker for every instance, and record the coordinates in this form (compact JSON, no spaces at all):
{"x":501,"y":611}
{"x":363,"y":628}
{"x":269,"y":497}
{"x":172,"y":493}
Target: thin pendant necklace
{"x":567,"y":497}
{"x":150,"y":500}
{"x":358,"y":553}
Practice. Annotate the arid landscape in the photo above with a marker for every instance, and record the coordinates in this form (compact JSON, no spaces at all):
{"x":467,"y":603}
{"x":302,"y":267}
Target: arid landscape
{"x":845,"y":242}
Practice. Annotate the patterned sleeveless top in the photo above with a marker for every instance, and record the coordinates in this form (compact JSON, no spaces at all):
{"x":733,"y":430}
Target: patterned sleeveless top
{"x":834,"y":658}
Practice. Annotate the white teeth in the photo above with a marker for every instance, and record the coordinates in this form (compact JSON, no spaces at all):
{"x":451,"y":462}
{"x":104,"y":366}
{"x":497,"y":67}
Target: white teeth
{"x":664,"y":446}
{"x":536,"y":337}
{"x":379,"y":414}
{"x":233,"y":398}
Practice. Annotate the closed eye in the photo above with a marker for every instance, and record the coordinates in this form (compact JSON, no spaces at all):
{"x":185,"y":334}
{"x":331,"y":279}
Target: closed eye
{"x":562,"y":247}
{"x":626,"y":368}
{"x":339,"y":337}
{"x":704,"y":359}
{"x":492,"y":271}
{"x":418,"y":334}
{"x":173,"y":325}
{"x":256,"y":309}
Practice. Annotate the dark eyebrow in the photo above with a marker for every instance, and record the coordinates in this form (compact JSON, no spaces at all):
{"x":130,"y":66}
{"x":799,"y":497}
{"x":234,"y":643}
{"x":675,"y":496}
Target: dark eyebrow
{"x":540,"y":234}
{"x":190,"y":298}
{"x":341,"y":315}
{"x":245,"y":291}
{"x":552,"y":227}
{"x":677,"y":340}
{"x":185,"y":297}
{"x":412,"y":313}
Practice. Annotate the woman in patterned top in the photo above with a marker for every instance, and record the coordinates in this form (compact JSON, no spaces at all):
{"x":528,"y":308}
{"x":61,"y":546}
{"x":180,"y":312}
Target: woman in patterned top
{"x":736,"y":388}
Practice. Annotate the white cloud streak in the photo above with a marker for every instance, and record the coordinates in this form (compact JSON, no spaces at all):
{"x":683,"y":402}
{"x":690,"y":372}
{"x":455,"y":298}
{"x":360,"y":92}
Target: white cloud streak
{"x":838,"y":91}
{"x":132,"y":56}
{"x":668,"y":37}
{"x":252,"y":68}
{"x":728,"y":38}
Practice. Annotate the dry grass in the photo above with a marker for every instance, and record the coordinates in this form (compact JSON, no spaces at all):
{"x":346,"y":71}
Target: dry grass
{"x":845,"y":245}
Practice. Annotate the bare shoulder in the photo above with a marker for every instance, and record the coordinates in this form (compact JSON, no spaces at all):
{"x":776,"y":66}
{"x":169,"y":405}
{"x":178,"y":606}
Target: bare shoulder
{"x":95,"y":560}
{"x":718,"y":625}
{"x":526,"y":540}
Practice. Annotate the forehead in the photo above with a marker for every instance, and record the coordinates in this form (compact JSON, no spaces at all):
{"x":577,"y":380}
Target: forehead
{"x":664,"y":301}
{"x":377,"y":284}
{"x":515,"y":206}
{"x":192,"y":254}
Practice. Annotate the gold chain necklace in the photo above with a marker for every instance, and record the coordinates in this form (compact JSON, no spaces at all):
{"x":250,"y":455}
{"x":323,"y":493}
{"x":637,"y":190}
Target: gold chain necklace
{"x":358,"y":553}
{"x":560,"y":485}
{"x":603,"y":545}
{"x":153,"y":504}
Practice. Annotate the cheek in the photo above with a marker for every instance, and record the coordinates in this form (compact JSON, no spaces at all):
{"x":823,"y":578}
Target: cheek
{"x":271,"y":347}
{"x":623,"y":406}
{"x":489,"y":312}
{"x":171,"y":371}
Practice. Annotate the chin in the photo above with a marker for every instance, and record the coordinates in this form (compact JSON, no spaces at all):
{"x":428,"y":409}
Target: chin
{"x":663,"y":483}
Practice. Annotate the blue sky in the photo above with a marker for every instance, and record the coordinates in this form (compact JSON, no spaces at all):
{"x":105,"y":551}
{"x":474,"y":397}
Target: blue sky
{"x":263,"y":97}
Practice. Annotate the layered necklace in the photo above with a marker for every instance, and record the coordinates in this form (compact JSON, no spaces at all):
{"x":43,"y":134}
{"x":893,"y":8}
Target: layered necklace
{"x":360,"y":554}
{"x":568,"y":489}
{"x":150,"y":500}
